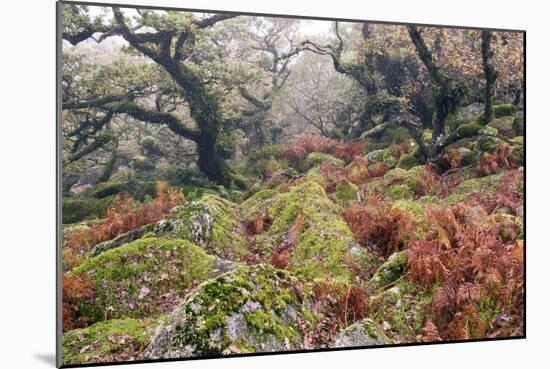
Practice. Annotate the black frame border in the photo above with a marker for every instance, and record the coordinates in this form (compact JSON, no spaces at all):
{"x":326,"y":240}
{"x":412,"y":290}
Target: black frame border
{"x":59,"y":172}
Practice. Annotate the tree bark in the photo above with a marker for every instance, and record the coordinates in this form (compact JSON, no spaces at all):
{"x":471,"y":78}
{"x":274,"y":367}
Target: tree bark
{"x":490,"y":76}
{"x":204,"y":107}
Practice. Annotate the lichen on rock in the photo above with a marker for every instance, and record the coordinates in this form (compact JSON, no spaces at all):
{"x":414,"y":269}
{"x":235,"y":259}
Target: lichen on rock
{"x":211,"y":222}
{"x":362,"y":333}
{"x":251,"y":309}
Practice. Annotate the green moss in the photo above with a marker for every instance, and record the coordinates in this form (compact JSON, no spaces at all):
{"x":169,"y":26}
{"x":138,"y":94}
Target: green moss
{"x":318,"y":158}
{"x":407,"y":161}
{"x":414,"y":208}
{"x":76,"y":210}
{"x":213,"y":223}
{"x":389,"y":159}
{"x":260,"y":294}
{"x":131,"y":279}
{"x":140,"y":162}
{"x":138,"y":189}
{"x":323,"y":245}
{"x":468,"y":129}
{"x":346,"y":191}
{"x":396,"y":135}
{"x":503,"y":110}
{"x":399,"y":191}
{"x":489,"y":131}
{"x":519,"y":124}
{"x":266,"y":160}
{"x":518,"y":140}
{"x":315,"y":175}
{"x":484,"y":186}
{"x":365,"y":332}
{"x":487,"y":144}
{"x":504,"y":125}
{"x":107,"y":341}
{"x":402,"y":184}
{"x":394,"y":306}
{"x":519,"y":149}
{"x":467,"y":156}
{"x":427,"y":135}
{"x":257,"y":204}
{"x":390,"y":271}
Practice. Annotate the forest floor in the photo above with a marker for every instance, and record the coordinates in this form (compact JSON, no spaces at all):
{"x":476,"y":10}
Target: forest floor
{"x":338,"y":245}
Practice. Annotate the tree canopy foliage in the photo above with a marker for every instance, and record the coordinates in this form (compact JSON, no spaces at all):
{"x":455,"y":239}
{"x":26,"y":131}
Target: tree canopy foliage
{"x":225,"y":84}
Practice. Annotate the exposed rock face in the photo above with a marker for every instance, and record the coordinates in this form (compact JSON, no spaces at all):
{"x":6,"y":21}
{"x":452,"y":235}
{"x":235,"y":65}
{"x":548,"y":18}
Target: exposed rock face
{"x":362,"y":333}
{"x":252,"y":309}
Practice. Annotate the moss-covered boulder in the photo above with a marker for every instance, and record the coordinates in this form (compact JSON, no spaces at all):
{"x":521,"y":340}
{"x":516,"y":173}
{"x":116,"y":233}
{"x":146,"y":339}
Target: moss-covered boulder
{"x":345,"y":191}
{"x":468,"y":129}
{"x":258,"y":203}
{"x":402,"y":310}
{"x":108,"y":341}
{"x":519,"y":149}
{"x":375,"y":155}
{"x":144,"y":278}
{"x":252,"y":309}
{"x":390,"y":271}
{"x":266,"y":160}
{"x":363,"y":333}
{"x":467,"y":156}
{"x":504,"y":110}
{"x":407,"y":161}
{"x":211,"y":222}
{"x":504,"y":125}
{"x":483,"y":187}
{"x":305,"y":217}
{"x":382,"y":155}
{"x":318,"y":158}
{"x":403,"y":184}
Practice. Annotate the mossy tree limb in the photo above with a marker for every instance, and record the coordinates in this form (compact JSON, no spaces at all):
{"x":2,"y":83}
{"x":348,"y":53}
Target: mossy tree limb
{"x":204,"y":105}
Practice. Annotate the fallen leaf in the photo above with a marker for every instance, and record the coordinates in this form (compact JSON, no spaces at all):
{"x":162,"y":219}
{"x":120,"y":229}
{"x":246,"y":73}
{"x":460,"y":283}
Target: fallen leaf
{"x":144,"y":291}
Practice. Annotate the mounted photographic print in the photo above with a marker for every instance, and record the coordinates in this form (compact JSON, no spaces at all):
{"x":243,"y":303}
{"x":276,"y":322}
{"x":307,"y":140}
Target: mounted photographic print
{"x":240,"y":184}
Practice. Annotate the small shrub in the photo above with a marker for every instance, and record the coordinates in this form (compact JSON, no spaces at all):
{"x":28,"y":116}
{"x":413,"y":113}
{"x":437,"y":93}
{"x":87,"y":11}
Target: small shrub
{"x":77,"y":289}
{"x":378,"y":226}
{"x":126,"y":214}
{"x":502,"y":158}
{"x":305,"y":144}
{"x":341,"y":304}
{"x":479,"y":274}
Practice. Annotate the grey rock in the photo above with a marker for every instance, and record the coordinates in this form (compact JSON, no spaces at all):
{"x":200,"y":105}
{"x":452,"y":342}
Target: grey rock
{"x":362,"y":333}
{"x":376,"y":155}
{"x":122,"y":239}
{"x":239,"y":311}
